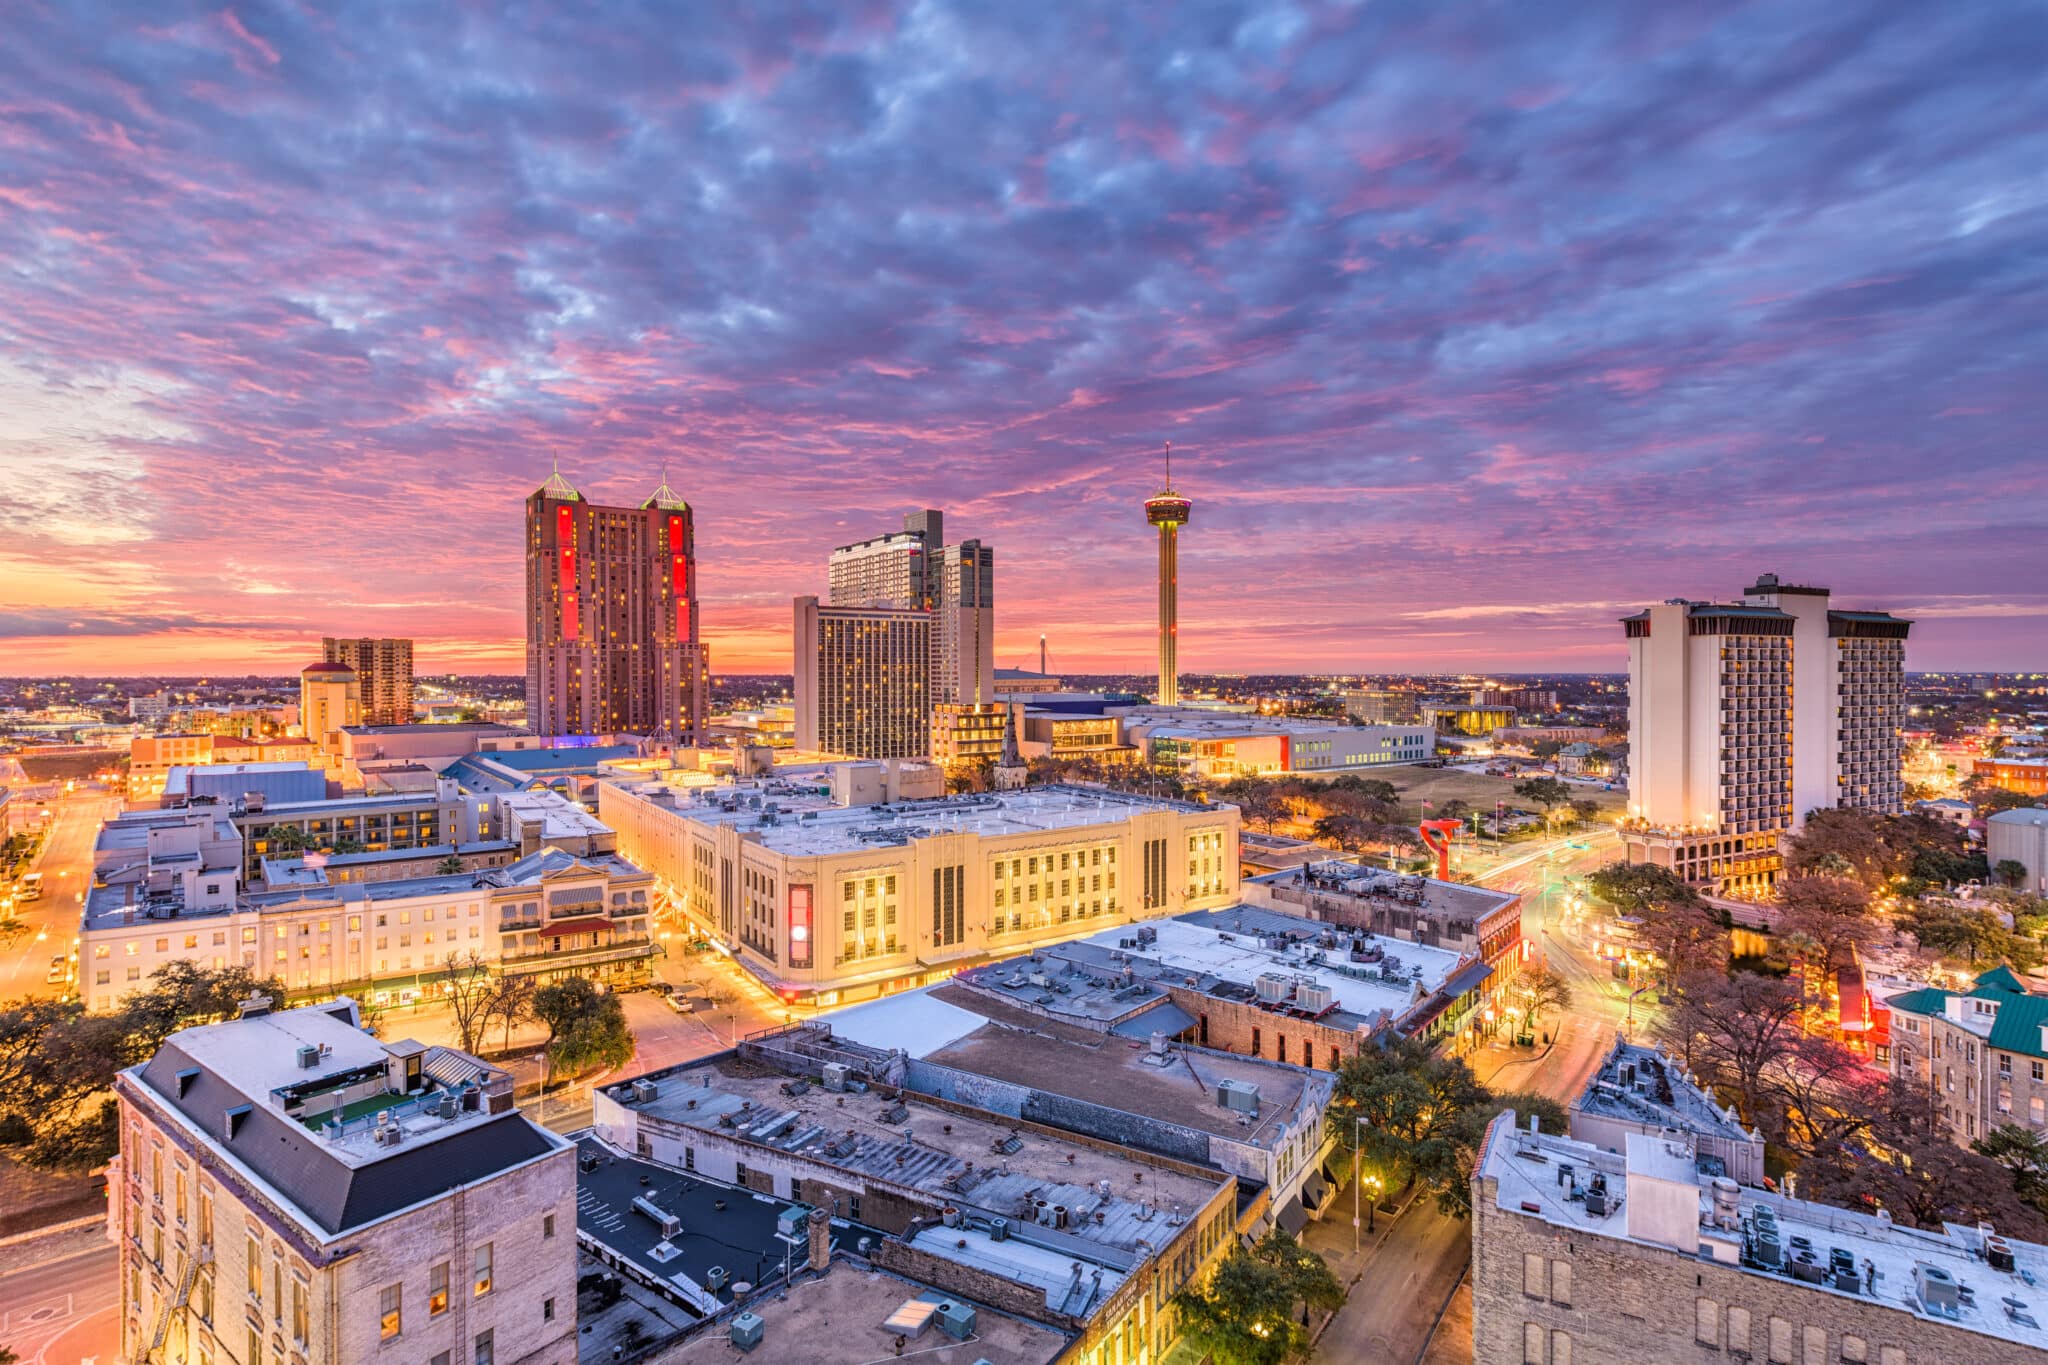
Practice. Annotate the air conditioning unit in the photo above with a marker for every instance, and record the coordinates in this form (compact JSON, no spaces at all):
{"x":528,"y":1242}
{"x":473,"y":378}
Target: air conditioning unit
{"x":835,"y":1076}
{"x":999,"y":1230}
{"x":746,"y":1331}
{"x":1241,"y":1096}
{"x":1272,"y":988}
{"x":956,"y":1319}
{"x":715,"y":1278}
{"x":1313,"y":996}
{"x":644,"y":1091}
{"x":309,"y":1057}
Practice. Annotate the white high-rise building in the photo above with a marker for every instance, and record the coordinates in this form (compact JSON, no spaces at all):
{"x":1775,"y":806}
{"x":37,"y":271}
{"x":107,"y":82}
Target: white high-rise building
{"x":1744,"y":716}
{"x":915,"y":570}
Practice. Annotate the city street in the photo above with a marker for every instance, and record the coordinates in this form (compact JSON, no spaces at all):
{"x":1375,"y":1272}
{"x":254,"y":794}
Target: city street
{"x":43,"y":929}
{"x":61,"y":1306}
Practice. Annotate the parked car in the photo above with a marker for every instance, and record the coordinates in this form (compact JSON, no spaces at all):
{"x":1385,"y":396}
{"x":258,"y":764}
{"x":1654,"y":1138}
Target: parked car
{"x":681,"y":1004}
{"x":58,"y":969}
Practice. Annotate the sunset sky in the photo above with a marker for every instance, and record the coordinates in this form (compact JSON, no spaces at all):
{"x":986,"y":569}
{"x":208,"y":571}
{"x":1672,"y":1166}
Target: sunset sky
{"x":1474,"y":327}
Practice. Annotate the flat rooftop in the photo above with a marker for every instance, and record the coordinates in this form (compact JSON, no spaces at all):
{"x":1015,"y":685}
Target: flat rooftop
{"x":723,"y":1226}
{"x":2006,"y":1306}
{"x":991,"y":1037}
{"x":1632,"y":1085}
{"x":840,"y":1319}
{"x":557,"y":816}
{"x":1357,"y":884}
{"x":811,"y":826}
{"x":952,"y":1156}
{"x":1122,"y":973}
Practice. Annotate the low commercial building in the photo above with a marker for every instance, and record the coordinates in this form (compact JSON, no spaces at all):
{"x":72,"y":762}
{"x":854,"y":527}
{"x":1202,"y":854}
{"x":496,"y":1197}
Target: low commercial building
{"x":1467,"y":920}
{"x":1382,"y":706}
{"x":2027,"y":776}
{"x":1262,"y":853}
{"x":291,"y":1189}
{"x":549,"y":914}
{"x":365,"y":824}
{"x":1641,"y":1090}
{"x":152,"y":757}
{"x":1983,"y":1051}
{"x":1585,"y":1256}
{"x":1065,"y":736}
{"x":568,"y":768}
{"x":967,"y":735}
{"x":392,"y":865}
{"x":1213,"y":745}
{"x":282,"y":783}
{"x":2019,"y":836}
{"x":1058,"y":1211}
{"x":827,"y":903}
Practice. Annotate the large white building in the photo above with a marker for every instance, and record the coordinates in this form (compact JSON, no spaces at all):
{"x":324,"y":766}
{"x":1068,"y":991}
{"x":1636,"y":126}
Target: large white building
{"x":829,"y":902}
{"x":1745,"y":716}
{"x":2020,"y":836}
{"x":915,"y":570}
{"x":290,"y":1189}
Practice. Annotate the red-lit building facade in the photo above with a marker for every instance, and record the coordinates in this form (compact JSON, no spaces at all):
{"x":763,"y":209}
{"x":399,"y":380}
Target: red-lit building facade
{"x":611,"y":617}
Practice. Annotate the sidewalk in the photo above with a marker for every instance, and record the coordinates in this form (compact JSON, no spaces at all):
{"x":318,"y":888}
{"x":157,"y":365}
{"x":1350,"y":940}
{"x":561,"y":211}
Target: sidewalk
{"x":1331,"y":1238}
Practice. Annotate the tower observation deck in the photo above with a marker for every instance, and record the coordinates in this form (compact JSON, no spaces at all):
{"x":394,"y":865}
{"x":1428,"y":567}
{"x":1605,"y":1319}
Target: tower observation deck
{"x":1168,"y":511}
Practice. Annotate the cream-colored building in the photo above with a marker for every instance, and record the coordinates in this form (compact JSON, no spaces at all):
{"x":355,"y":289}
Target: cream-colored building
{"x":829,"y":903}
{"x":292,"y":1190}
{"x":383,"y":672}
{"x":176,"y":898}
{"x":1744,"y":716}
{"x":330,"y":700}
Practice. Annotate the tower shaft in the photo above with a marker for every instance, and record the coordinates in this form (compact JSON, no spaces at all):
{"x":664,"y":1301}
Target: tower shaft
{"x":1169,"y":669}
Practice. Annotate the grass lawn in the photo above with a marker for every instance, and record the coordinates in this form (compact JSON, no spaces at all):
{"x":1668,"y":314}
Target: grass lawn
{"x":1439,"y":785}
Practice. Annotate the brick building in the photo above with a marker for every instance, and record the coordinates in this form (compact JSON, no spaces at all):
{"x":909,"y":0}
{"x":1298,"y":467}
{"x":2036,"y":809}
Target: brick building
{"x":1586,"y":1257}
{"x":1984,"y":1051}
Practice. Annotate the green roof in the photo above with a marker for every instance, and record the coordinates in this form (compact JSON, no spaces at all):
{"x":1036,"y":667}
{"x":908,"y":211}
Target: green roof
{"x":2000,"y":978}
{"x":2018,"y":1026}
{"x":1926,"y":1000}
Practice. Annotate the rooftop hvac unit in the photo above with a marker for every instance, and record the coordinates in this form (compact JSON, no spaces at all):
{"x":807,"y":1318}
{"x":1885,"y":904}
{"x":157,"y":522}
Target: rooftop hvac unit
{"x":835,"y":1076}
{"x":1938,"y":1292}
{"x":670,"y":1225}
{"x":1314,"y":996}
{"x":644,"y":1091}
{"x":746,"y":1331}
{"x":309,"y":1056}
{"x":957,"y":1319}
{"x":390,"y":1137}
{"x":1272,"y":988}
{"x":790,"y":1221}
{"x":1242,"y":1096}
{"x":999,"y":1230}
{"x":715,"y":1278}
{"x":447,"y":1105}
{"x":1727,"y":1203}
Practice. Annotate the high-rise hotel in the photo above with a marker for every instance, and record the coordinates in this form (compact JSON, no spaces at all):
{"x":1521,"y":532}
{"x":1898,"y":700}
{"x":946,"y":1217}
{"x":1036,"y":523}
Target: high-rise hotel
{"x":611,"y":617}
{"x":1746,"y":716}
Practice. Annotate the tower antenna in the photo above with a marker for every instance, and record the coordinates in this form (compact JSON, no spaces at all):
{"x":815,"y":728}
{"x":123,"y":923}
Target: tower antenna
{"x":1169,"y":466}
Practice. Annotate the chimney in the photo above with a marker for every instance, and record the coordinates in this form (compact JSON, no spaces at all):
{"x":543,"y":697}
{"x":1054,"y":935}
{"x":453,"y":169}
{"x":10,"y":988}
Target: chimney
{"x":821,"y":1240}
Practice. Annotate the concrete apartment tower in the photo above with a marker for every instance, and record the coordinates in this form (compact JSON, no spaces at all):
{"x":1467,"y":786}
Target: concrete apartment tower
{"x":1168,"y":511}
{"x":291,"y":1189}
{"x":611,"y":617}
{"x":1746,"y":716}
{"x":863,"y":680}
{"x":384,"y":670}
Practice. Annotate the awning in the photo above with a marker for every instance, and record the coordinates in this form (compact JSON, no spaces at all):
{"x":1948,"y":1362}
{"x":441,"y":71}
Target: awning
{"x":575,"y":926}
{"x":1466,"y":978}
{"x":1336,"y":1168}
{"x":1291,"y":1217}
{"x":1164,"y":1017}
{"x":1314,"y":1190}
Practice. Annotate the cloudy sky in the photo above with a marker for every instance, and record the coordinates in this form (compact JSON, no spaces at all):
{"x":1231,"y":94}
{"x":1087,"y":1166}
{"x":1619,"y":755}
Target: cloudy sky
{"x":1473,"y":326}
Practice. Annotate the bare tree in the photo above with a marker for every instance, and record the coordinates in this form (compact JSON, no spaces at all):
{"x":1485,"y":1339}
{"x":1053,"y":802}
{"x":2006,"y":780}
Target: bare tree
{"x":466,"y":984}
{"x":1732,"y":1031}
{"x":511,"y":1004}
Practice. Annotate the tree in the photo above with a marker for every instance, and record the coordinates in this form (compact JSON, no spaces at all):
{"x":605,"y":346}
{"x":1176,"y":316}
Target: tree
{"x":2023,"y":1153}
{"x":1247,"y":1314}
{"x":1845,"y":843}
{"x":1544,"y":989}
{"x":1908,"y":1164}
{"x":1830,"y":912}
{"x":2010,"y":872}
{"x":1347,"y":832}
{"x":348,"y":846}
{"x":511,"y":1003}
{"x":1423,"y":1115}
{"x":1986,"y":799}
{"x":1258,"y":802}
{"x":1551,"y":1116}
{"x":449,"y":866}
{"x":1585,"y":810}
{"x":1546,"y":749}
{"x":1731,"y":1030}
{"x":1629,"y":887}
{"x":1547,"y":792}
{"x":586,"y":1027}
{"x":1967,"y":937}
{"x":465,"y":983}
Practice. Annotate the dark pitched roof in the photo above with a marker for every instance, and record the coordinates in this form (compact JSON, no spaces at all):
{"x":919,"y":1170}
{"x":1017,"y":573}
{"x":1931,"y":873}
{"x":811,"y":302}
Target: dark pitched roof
{"x":331,"y":1194}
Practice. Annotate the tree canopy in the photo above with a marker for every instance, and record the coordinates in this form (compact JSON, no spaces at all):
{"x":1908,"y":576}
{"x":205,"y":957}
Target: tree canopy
{"x":1248,"y":1313}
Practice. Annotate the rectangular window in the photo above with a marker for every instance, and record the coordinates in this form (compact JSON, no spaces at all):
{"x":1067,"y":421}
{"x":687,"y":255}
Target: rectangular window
{"x":1532,"y":1274}
{"x":1816,"y":1345}
{"x":255,"y":1352}
{"x":547,"y":1310}
{"x":1560,"y":1348}
{"x":482,"y":1277}
{"x":1533,"y":1338}
{"x":1706,"y":1322}
{"x":1781,"y":1342}
{"x":547,"y":1226}
{"x":254,"y":1269}
{"x":1738,"y":1330}
{"x":390,"y":1317}
{"x":1561,"y":1283}
{"x":437,"y":1290}
{"x":486,"y":1352}
{"x":301,"y":1313}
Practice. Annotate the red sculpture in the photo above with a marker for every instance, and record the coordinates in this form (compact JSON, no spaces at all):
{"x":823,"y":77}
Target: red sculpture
{"x":1441,"y":843}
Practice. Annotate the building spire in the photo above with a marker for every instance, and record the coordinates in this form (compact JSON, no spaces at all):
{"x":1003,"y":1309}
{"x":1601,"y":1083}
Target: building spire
{"x":1169,"y":466}
{"x":557,"y":486}
{"x":665,"y":497}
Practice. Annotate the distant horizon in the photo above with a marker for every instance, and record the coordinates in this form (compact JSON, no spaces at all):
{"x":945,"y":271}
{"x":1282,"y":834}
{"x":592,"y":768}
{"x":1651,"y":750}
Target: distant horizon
{"x":716,"y":673}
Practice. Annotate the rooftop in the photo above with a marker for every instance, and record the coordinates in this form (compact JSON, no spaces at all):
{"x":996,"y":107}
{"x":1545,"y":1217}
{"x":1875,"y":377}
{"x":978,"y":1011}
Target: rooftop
{"x":800,"y":824}
{"x":723,"y":1227}
{"x":1356,"y":884}
{"x":1655,"y":1198}
{"x":1016,"y":1043}
{"x":841,"y":1318}
{"x":953,"y":1156}
{"x":318,"y":1111}
{"x":1641,"y":1085}
{"x":451,"y":728}
{"x":557,"y":816}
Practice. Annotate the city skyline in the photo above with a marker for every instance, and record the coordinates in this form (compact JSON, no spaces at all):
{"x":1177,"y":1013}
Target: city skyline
{"x":1469,"y":343}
